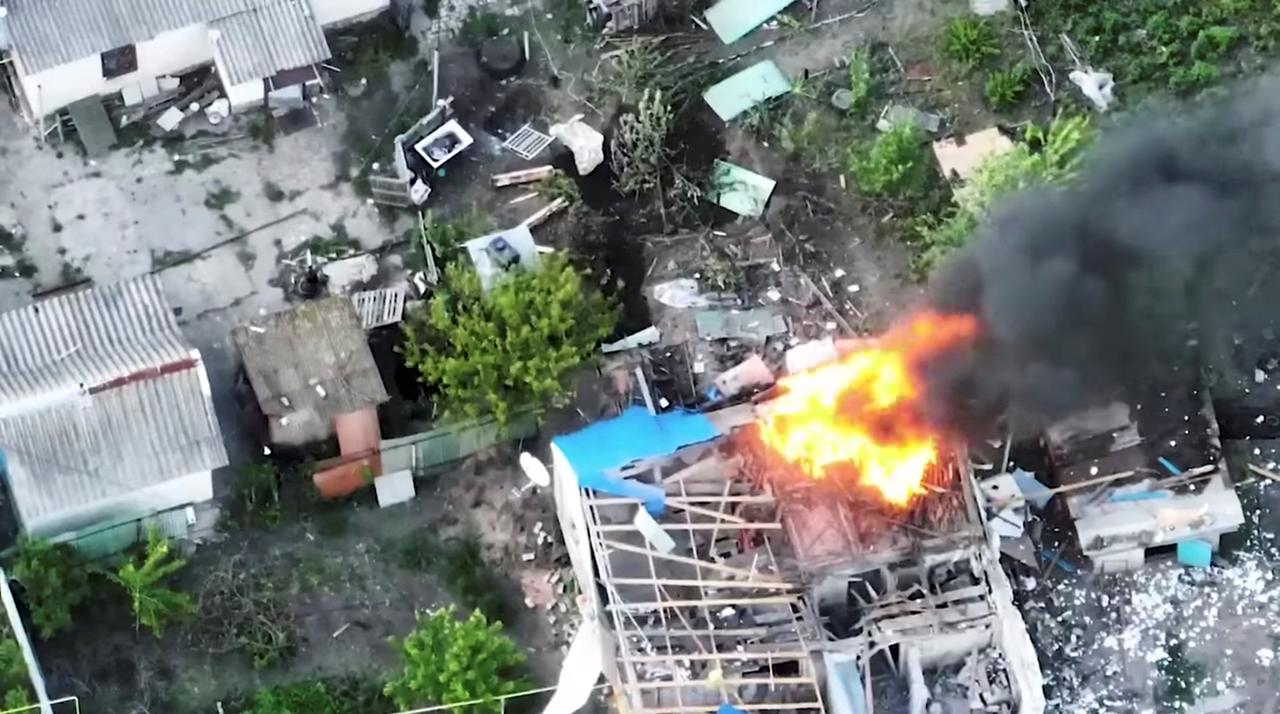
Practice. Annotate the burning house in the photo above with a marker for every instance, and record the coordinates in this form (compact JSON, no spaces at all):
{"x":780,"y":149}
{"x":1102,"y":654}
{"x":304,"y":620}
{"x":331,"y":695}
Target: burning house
{"x":822,"y":549}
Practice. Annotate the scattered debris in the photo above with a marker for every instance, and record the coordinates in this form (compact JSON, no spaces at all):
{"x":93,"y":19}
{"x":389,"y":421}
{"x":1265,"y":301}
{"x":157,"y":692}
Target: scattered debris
{"x":755,"y":325}
{"x":527,"y":142}
{"x":585,"y":143}
{"x":959,"y":158}
{"x":758,"y":83}
{"x":734,"y":19}
{"x":1096,"y":86}
{"x":648,"y":336}
{"x":894,"y":114}
{"x":496,"y":253}
{"x":443,"y":144}
{"x":523,"y":176}
{"x":744,"y":192}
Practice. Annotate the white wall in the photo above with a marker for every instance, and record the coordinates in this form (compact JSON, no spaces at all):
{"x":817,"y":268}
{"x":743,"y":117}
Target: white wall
{"x":192,"y":488}
{"x":168,"y":53}
{"x":247,"y":94}
{"x":330,"y":12}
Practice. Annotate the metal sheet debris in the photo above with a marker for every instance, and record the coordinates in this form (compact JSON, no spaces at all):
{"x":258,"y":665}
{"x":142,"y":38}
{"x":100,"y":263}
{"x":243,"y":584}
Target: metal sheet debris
{"x":680,"y":293}
{"x":748,"y":374}
{"x":755,"y":325}
{"x":652,"y":532}
{"x":1096,"y":86}
{"x":758,"y":83}
{"x":740,"y":190}
{"x":959,"y":159}
{"x":895,"y":114}
{"x":808,"y":355}
{"x":648,"y":336}
{"x":394,"y":488}
{"x":94,"y":127}
{"x":527,"y":142}
{"x":734,"y":19}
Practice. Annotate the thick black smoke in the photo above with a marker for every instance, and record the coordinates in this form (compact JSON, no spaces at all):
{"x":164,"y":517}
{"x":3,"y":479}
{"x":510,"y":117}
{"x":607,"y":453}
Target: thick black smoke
{"x":1165,"y":249}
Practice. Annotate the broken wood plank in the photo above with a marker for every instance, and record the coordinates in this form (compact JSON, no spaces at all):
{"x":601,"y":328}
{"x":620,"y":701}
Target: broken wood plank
{"x":685,"y":582}
{"x":742,"y":572}
{"x":515,"y":178}
{"x":1265,"y":473}
{"x":546,"y":212}
{"x":705,"y":602}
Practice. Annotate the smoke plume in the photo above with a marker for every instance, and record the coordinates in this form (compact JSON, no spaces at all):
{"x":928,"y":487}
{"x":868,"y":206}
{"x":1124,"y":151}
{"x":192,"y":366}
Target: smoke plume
{"x":1166,"y":246}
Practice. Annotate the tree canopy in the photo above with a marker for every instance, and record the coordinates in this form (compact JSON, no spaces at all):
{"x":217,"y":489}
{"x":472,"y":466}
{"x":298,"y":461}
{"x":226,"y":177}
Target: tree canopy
{"x":512,"y":347}
{"x":451,"y":661}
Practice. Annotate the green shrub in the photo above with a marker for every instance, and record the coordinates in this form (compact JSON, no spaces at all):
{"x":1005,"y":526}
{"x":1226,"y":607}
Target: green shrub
{"x":970,"y":42}
{"x":812,"y":140}
{"x":449,"y":661}
{"x":1005,"y":87}
{"x":460,"y":564}
{"x":15,"y":681}
{"x":860,"y":83}
{"x":155,"y":605}
{"x":1044,"y":156}
{"x":54,"y":580}
{"x":297,"y":698}
{"x":895,"y":166}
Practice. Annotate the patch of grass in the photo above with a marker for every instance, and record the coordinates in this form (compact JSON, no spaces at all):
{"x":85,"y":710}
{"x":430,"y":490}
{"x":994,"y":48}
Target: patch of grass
{"x":71,"y":273}
{"x":221,"y":197}
{"x":479,"y":25}
{"x":445,"y":236}
{"x":558,"y":185}
{"x":372,"y":48}
{"x":896,"y":164}
{"x":460,"y":564}
{"x":569,"y":17}
{"x":336,"y":245}
{"x":1005,"y":87}
{"x":161,"y":259}
{"x":262,"y":129}
{"x":196,"y":163}
{"x":970,"y":42}
{"x":1152,"y":45}
{"x":14,"y":246}
{"x":273,"y":192}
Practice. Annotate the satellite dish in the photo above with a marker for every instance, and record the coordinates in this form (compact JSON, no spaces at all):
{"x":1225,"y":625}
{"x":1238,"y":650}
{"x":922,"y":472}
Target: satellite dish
{"x":534,"y":470}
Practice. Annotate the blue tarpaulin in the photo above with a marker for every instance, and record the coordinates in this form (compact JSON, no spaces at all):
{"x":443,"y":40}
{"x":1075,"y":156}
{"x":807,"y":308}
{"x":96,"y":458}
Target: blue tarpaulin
{"x":728,"y":708}
{"x":633,"y":435}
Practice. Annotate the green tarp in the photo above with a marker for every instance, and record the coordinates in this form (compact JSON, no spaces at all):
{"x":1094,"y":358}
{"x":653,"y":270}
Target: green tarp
{"x":734,"y":19}
{"x":755,"y":84}
{"x":739,"y":190}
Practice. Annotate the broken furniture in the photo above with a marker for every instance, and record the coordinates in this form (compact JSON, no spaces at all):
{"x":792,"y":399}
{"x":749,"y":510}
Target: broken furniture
{"x":446,"y":142}
{"x":410,"y":183}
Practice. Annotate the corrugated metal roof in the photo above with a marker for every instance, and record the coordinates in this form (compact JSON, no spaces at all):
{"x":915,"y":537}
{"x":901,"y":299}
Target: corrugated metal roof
{"x":85,"y":339}
{"x":276,"y":36}
{"x":47,"y":33}
{"x":100,"y":396}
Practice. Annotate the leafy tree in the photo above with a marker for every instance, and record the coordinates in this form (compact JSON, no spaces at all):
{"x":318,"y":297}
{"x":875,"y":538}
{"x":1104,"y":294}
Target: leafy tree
{"x":896,"y":165}
{"x":511,"y":347}
{"x":54,"y":579}
{"x":154,"y":603}
{"x":450,"y":661}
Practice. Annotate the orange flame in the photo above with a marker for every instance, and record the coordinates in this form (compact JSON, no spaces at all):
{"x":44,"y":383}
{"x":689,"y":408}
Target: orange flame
{"x":863,"y":414}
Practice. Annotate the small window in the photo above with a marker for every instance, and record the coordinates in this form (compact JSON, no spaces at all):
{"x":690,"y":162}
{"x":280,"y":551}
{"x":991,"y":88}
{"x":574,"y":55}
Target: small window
{"x":120,"y":61}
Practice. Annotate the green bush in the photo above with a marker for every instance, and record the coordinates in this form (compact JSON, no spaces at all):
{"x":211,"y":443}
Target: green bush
{"x":54,"y":580}
{"x":860,"y":83}
{"x":895,"y":166}
{"x":155,"y":605}
{"x":460,"y":564}
{"x":15,"y":681}
{"x":1005,"y":87}
{"x":970,"y":42}
{"x":511,"y":347}
{"x":450,"y":661}
{"x":298,"y":698}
